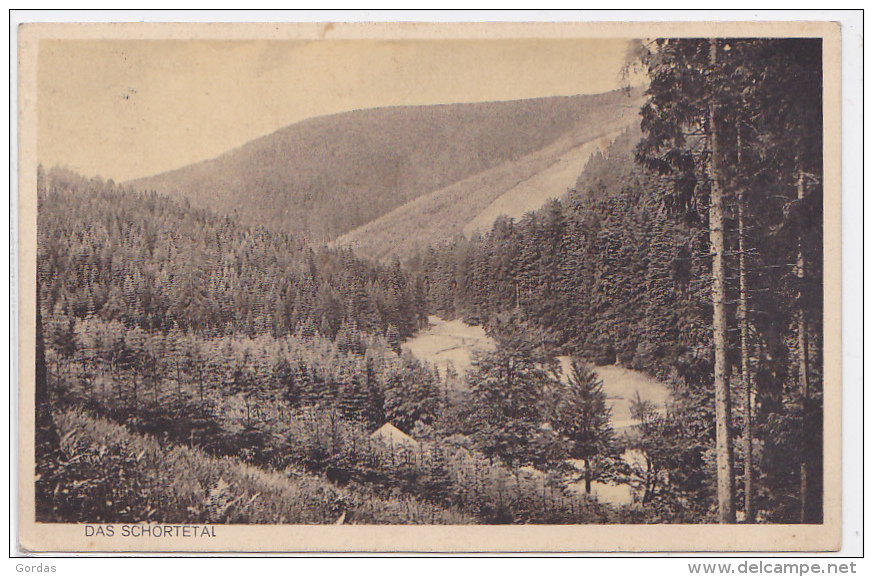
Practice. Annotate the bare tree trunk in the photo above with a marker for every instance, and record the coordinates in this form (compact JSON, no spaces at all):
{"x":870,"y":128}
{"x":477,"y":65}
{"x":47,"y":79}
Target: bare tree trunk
{"x":41,"y":392}
{"x":178,"y":382}
{"x":723,"y":442}
{"x":134,"y":389}
{"x":744,"y":347}
{"x":200,"y":380}
{"x":587,"y":476}
{"x":802,"y":370}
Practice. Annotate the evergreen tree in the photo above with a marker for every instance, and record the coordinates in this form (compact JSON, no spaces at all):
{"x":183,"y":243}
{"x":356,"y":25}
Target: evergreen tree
{"x":507,"y":390}
{"x":392,"y":335}
{"x":686,"y":100}
{"x":582,"y":418}
{"x":412,"y":395}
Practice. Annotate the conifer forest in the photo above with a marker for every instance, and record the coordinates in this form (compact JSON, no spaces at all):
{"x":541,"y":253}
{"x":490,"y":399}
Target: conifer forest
{"x":644,"y":347}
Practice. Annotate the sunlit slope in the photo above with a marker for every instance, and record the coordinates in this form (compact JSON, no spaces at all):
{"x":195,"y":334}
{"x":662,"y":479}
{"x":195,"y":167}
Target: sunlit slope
{"x":473,"y":204}
{"x":548,"y":184}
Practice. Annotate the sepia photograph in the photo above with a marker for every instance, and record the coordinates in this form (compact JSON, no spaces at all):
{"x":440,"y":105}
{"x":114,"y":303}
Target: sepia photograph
{"x":581,"y":280}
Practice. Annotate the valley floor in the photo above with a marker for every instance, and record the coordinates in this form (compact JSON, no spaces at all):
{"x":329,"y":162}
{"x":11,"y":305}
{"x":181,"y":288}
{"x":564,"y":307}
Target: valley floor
{"x":453,"y":343}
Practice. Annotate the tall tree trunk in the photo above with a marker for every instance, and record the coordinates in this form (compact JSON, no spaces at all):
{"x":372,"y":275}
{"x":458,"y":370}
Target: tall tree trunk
{"x":41,"y":393}
{"x":587,"y":476}
{"x":802,"y":369}
{"x":723,"y":442}
{"x":743,"y":318}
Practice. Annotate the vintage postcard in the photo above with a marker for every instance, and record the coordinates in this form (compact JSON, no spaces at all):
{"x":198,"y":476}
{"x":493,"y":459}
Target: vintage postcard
{"x":429,"y":287}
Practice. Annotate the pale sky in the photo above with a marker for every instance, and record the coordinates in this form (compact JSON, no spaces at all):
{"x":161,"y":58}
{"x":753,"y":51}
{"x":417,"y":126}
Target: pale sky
{"x":124,"y":109}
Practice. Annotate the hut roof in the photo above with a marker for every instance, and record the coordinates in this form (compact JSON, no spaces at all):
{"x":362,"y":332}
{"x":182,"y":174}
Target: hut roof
{"x":391,"y":435}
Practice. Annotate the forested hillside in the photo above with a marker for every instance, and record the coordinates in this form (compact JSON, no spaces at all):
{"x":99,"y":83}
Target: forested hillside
{"x":325,"y":176}
{"x":511,"y":188}
{"x":242,"y":357}
{"x":606,"y":271}
{"x":149,"y":261}
{"x":622,"y":271}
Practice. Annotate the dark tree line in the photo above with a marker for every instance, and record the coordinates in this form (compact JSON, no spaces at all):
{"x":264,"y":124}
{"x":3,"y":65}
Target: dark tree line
{"x":733,"y":128}
{"x":154,"y":263}
{"x":604,"y":270}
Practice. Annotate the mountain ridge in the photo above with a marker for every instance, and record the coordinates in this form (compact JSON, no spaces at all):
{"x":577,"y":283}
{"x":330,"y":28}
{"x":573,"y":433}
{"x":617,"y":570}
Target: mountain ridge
{"x":325,"y":176}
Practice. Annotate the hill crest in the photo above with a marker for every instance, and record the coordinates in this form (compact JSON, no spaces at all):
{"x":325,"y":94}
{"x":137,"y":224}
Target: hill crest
{"x":323,"y":177}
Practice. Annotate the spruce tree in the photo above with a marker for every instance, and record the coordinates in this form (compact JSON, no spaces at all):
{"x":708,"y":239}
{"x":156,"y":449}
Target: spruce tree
{"x":582,"y":418}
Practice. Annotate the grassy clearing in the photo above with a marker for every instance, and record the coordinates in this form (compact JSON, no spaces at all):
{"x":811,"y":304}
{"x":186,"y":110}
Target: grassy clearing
{"x":621,"y":385}
{"x":108,"y":474}
{"x":452,"y":343}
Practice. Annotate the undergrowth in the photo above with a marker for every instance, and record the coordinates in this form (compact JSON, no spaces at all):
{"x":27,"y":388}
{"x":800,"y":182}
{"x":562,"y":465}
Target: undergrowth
{"x":105,"y":473}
